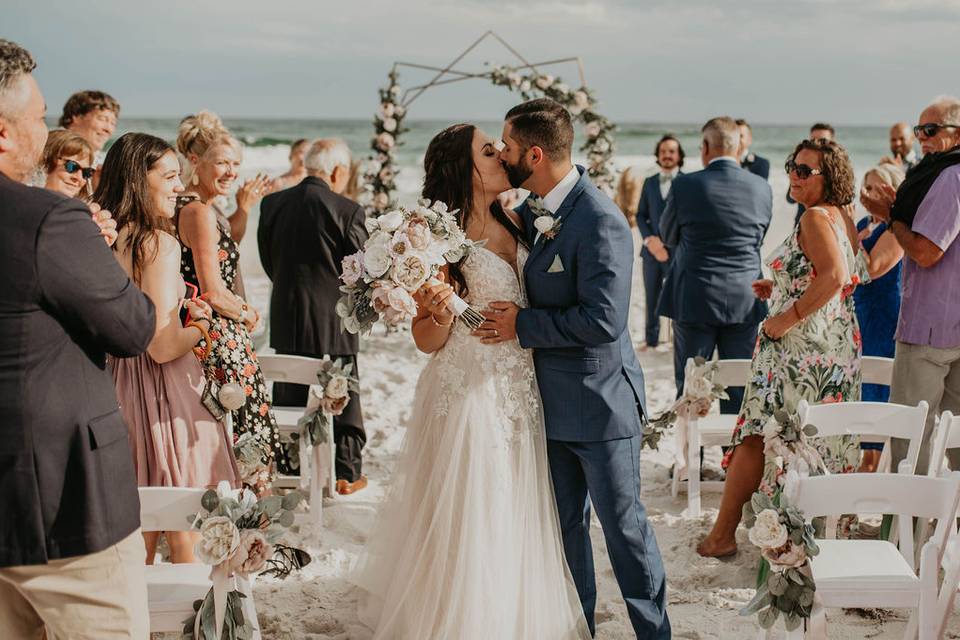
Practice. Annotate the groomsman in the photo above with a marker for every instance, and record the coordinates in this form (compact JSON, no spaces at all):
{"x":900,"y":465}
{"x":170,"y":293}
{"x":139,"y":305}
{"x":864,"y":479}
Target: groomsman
{"x":748,"y":159}
{"x":714,"y":224}
{"x":304,"y":233}
{"x":902,"y":150}
{"x":653,"y":197}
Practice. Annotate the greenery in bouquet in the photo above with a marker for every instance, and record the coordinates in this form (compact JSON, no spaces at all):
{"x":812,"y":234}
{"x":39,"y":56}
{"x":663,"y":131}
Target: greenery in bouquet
{"x":786,"y":541}
{"x":248,"y":451}
{"x":380,"y":170}
{"x":405,"y":250}
{"x":700,"y":392}
{"x":581,"y":103}
{"x":239,"y":536}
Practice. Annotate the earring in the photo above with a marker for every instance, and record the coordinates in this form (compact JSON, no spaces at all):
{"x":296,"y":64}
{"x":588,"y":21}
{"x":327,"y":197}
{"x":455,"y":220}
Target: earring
{"x":195,"y":180}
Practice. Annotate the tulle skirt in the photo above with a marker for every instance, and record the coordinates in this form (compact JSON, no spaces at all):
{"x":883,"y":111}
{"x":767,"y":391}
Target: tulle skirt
{"x":467,"y":545}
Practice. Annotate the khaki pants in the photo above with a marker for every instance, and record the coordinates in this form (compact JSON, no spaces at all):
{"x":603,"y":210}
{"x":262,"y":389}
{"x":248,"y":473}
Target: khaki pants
{"x":925,"y":373}
{"x":98,"y":596}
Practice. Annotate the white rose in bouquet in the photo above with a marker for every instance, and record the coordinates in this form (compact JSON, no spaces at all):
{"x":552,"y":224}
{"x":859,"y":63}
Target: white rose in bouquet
{"x":338,"y":387}
{"x":387,"y":109}
{"x":377,"y":259}
{"x":385,"y":141}
{"x":252,"y":554}
{"x":788,"y":556}
{"x":768,"y":532}
{"x":394,"y":303}
{"x":400,"y":245}
{"x":219,"y":538}
{"x":418,"y":233}
{"x":352,"y":269}
{"x":334,"y":406}
{"x":391,"y":221}
{"x":410,"y":272}
{"x":371,"y":224}
{"x":592,"y":129}
{"x":699,"y":387}
{"x":543,"y":82}
{"x":389,"y":124}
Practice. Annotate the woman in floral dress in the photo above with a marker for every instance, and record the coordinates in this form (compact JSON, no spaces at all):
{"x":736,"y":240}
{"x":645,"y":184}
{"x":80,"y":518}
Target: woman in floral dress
{"x":809,"y":348}
{"x":210,"y":260}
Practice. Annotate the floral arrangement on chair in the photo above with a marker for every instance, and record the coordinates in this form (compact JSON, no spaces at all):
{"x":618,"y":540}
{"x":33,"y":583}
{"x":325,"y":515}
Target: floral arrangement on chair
{"x":238,"y":538}
{"x":700,"y":391}
{"x":784,"y":583}
{"x":336,"y":381}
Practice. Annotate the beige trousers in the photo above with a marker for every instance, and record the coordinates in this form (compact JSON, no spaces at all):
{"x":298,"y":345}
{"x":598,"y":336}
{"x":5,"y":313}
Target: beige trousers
{"x":99,"y":596}
{"x":925,"y":373}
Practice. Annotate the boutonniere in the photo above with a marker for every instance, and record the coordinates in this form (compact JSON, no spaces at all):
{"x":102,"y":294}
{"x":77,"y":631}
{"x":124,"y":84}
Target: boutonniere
{"x":545,"y":223}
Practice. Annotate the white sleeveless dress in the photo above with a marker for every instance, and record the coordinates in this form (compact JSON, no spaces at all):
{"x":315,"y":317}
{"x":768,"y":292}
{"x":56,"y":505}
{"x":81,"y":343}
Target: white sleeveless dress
{"x":467,"y":545}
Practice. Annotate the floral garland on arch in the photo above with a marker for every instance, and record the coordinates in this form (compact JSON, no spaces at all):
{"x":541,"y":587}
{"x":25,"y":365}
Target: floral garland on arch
{"x":380,"y":170}
{"x":785,"y":586}
{"x":581,"y":103}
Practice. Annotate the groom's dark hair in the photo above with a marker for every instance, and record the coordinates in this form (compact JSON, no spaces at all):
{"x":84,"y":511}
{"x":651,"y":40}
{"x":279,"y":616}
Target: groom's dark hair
{"x":543,"y":123}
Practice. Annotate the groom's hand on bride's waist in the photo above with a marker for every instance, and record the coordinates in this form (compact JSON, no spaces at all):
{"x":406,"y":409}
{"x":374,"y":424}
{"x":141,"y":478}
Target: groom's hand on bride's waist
{"x":501,"y":323}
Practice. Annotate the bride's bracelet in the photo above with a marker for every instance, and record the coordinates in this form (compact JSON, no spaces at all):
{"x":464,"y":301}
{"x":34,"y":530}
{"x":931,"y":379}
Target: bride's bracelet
{"x":440,"y":324}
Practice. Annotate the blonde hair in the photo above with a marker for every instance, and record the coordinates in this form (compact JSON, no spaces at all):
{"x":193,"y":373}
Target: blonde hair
{"x":628,"y":194}
{"x":890,"y":174}
{"x":198,"y":134}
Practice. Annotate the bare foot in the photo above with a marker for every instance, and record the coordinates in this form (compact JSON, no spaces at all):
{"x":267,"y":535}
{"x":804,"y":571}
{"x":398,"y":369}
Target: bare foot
{"x":709,"y":548}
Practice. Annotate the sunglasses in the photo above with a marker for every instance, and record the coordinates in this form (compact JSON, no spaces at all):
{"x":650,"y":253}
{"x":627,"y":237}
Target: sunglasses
{"x":72,"y":166}
{"x":803,"y":171}
{"x":931,"y":129}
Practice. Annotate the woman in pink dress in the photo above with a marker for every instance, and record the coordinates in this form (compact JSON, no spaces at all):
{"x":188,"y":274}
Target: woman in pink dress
{"x":176,"y":442}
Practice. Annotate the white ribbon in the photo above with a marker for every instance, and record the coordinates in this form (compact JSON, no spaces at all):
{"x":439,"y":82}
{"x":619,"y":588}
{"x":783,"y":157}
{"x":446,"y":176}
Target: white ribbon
{"x":220,"y":577}
{"x":455,"y":303}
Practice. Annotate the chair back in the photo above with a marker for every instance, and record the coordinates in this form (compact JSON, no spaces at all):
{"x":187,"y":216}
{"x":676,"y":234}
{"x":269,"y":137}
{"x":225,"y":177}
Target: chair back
{"x":730,"y":373}
{"x":167,"y":508}
{"x":945,"y":436}
{"x":293,"y":369}
{"x":876,"y":370}
{"x":902,"y":494}
{"x":872,"y":421}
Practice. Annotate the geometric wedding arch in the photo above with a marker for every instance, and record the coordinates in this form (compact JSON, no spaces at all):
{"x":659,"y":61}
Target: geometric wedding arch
{"x":380,"y":171}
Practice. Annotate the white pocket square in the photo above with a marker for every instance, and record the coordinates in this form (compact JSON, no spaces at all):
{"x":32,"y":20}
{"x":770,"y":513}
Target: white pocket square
{"x":556,"y":266}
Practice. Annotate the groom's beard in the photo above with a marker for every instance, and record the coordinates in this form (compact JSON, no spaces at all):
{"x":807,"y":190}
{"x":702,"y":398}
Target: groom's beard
{"x":517,"y":174}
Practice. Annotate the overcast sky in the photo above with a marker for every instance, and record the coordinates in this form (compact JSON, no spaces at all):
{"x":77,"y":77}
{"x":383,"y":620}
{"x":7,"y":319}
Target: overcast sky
{"x":776,"y":61}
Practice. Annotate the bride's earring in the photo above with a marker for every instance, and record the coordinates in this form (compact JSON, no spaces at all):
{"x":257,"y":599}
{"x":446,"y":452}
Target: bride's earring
{"x":195,"y":180}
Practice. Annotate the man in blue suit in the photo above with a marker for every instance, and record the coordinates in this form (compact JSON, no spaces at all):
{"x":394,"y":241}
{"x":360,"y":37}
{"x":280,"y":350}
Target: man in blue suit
{"x":748,"y":159}
{"x":714,"y":224}
{"x":653,"y":197}
{"x":578,"y":280}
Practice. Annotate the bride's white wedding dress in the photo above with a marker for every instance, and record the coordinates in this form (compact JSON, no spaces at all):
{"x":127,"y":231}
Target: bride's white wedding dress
{"x":467,"y":545}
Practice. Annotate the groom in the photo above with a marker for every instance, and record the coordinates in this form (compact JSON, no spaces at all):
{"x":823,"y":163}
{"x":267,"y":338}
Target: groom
{"x":578,"y":278}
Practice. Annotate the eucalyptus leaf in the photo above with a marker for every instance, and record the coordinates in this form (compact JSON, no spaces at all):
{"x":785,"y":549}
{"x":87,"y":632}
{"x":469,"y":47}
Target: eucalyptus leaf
{"x":287,"y":518}
{"x":781,"y":416}
{"x":208,"y":624}
{"x":768,"y":617}
{"x":292,"y":500}
{"x":271,"y":505}
{"x":777,"y":584}
{"x":210,"y":500}
{"x":760,"y":600}
{"x":806,"y":598}
{"x":792,"y":622}
{"x":795,"y":575}
{"x":810,"y":430}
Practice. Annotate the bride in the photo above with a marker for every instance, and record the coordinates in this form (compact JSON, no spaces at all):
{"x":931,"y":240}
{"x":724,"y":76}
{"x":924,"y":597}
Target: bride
{"x":468,"y":544}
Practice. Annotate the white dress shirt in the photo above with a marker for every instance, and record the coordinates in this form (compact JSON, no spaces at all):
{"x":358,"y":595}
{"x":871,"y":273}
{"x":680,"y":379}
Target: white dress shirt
{"x":666,"y":179}
{"x":559,"y":193}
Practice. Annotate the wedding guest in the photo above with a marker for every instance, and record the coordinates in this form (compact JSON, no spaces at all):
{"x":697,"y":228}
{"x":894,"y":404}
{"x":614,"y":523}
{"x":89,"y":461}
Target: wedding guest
{"x":71,"y":555}
{"x":305,"y":232}
{"x":748,"y":159}
{"x":175,"y":441}
{"x":627,"y":196}
{"x":809,"y":346}
{"x":653,"y":197}
{"x":210,"y":259}
{"x":925,"y":214}
{"x":68,"y":163}
{"x":297,"y":171}
{"x":713,"y":224}
{"x":93,"y":115}
{"x":819,"y":131}
{"x":902,"y":152}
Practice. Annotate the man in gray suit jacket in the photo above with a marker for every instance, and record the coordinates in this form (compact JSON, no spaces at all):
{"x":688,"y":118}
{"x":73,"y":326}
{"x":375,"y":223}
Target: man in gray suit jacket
{"x":714,"y":223}
{"x":71,"y":554}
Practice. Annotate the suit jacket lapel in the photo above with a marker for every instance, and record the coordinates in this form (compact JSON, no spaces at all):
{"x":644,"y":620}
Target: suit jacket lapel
{"x":564,"y":213}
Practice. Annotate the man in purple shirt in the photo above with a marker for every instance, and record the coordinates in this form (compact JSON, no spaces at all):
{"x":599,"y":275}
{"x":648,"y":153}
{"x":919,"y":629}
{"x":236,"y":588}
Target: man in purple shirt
{"x":927,"y":362}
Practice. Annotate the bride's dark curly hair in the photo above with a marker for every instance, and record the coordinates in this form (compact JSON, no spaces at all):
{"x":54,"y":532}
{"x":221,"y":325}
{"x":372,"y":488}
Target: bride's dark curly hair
{"x":449,"y":178}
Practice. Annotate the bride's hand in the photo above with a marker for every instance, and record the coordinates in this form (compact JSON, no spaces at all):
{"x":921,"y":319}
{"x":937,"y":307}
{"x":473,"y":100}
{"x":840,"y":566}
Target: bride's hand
{"x":433,"y":299}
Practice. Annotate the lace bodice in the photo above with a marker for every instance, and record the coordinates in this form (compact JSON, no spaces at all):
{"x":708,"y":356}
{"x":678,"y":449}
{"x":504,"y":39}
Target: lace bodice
{"x":504,"y":370}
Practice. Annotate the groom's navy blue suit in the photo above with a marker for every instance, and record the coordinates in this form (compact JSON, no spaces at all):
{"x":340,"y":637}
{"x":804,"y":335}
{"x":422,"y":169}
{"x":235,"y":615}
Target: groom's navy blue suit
{"x":593,"y":397}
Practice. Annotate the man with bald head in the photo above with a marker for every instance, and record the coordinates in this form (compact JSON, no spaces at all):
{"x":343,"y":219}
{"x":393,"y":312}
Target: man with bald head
{"x":925,"y":215}
{"x":902,"y":152}
{"x":714,"y":223}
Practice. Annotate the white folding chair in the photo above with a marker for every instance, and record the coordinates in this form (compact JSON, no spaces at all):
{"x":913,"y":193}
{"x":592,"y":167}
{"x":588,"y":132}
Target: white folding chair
{"x":712,"y":430}
{"x":872,"y":421}
{"x":876,"y":573}
{"x":946,"y":435}
{"x":876,"y":370}
{"x":173,"y":588}
{"x":302,"y":370}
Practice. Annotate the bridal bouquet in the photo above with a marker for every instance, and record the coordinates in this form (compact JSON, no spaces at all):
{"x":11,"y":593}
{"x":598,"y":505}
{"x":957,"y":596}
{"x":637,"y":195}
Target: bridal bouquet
{"x":784,"y":584}
{"x":405,"y":250}
{"x":238,"y":537}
